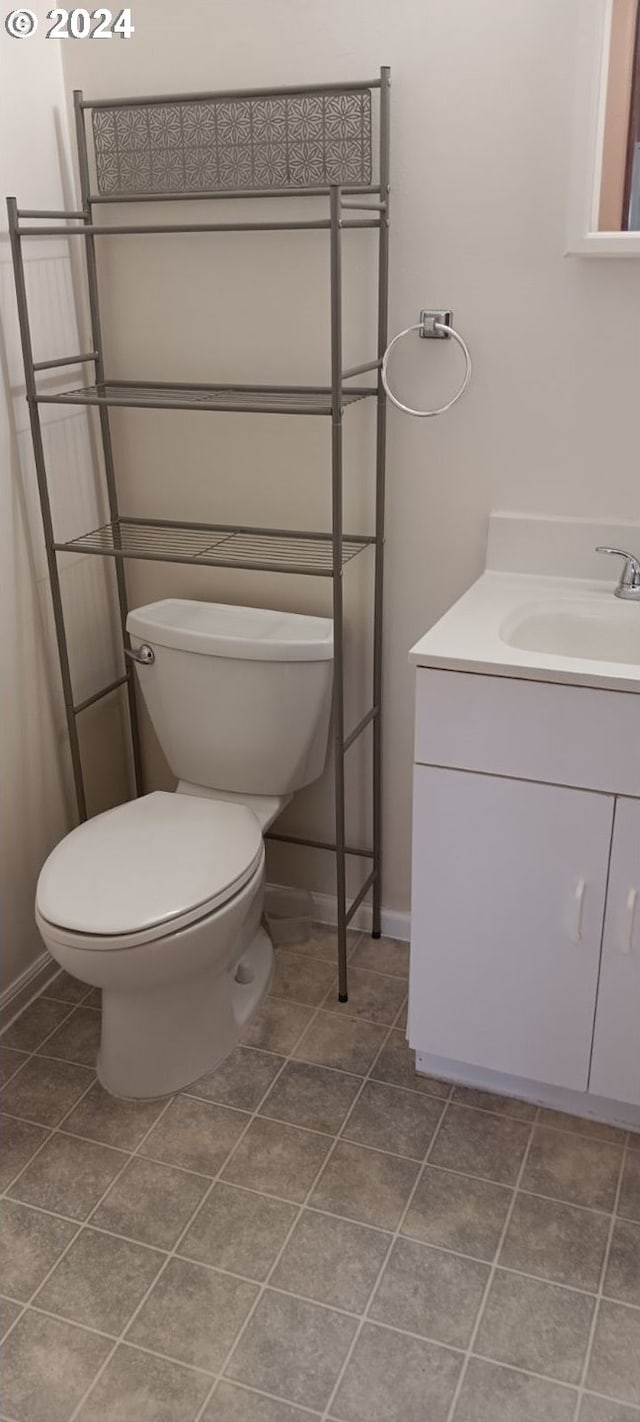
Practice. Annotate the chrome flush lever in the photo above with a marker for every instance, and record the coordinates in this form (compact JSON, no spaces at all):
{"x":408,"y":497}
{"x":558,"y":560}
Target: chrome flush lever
{"x":629,"y":585}
{"x":143,"y":654}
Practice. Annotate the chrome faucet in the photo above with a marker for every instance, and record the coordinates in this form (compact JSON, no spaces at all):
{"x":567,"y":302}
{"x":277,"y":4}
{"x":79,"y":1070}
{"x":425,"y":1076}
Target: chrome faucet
{"x":629,"y":585}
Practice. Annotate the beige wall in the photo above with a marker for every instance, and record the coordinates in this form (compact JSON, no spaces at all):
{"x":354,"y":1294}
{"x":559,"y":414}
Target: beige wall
{"x":481,"y":104}
{"x":36,"y":806}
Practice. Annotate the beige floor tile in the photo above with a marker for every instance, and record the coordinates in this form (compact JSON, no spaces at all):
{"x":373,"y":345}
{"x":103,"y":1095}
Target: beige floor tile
{"x":457,"y":1212}
{"x":195,"y":1134}
{"x":277,"y":1025}
{"x":65,"y":988}
{"x":47,"y":1366}
{"x":402,"y":1016}
{"x":77,"y":1040}
{"x":537,"y":1326}
{"x":241,"y":1080}
{"x":300,"y":979}
{"x":341,"y":1042}
{"x":239,"y":1231}
{"x":495,"y":1394}
{"x":312,"y":1096}
{"x":429,"y":1291}
{"x":322,"y":943}
{"x":231,"y":1403}
{"x":397,"y":1065}
{"x":112,"y":1121}
{"x":389,"y":1118}
{"x":30,"y":1243}
{"x":394,"y":1378}
{"x":599,"y":1409}
{"x":382,"y":955}
{"x":622,"y":1279}
{"x":479,"y":1144}
{"x":572,"y":1168}
{"x":20,"y":1141}
{"x":277,"y":1159}
{"x":10,"y":1063}
{"x":629,"y":1202}
{"x":8,"y":1314}
{"x":100,"y":1281}
{"x":68,"y":1176}
{"x":293,"y":1349}
{"x":136,"y":1387}
{"x":45,"y":1090}
{"x":193,"y":1314}
{"x":490,"y":1101}
{"x":151,"y":1202}
{"x":556,"y":1241}
{"x":580,"y":1126}
{"x":332,"y":1261}
{"x":365,"y":1185}
{"x":34,"y":1024}
{"x":615,"y":1357}
{"x":371,"y":995}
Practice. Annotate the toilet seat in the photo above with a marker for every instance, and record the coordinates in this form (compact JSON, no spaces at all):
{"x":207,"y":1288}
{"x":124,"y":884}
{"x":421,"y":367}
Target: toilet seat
{"x":146,"y":869}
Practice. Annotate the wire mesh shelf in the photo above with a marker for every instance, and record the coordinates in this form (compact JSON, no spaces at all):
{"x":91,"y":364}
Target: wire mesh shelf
{"x":217,"y":545}
{"x":256,"y":399}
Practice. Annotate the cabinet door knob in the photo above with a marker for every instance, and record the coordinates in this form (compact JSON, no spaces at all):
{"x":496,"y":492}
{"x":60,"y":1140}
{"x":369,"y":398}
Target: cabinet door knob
{"x":578,"y":904}
{"x":629,"y":920}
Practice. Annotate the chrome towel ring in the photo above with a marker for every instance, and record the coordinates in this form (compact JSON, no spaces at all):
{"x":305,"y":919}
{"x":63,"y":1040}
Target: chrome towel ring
{"x":433,"y":325}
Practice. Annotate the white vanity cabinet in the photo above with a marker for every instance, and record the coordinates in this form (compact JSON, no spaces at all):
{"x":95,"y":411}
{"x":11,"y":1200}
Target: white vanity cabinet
{"x":525,"y":946}
{"x":615,"y":1064}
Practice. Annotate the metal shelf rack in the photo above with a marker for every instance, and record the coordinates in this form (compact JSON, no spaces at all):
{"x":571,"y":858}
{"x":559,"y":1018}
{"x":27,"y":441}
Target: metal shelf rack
{"x":315,"y":142}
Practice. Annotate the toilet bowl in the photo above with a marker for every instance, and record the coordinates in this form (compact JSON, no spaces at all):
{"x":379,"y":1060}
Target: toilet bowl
{"x":159,"y":901}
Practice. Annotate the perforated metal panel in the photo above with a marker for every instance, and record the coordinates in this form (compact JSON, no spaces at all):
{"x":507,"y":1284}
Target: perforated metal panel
{"x":212,"y":145}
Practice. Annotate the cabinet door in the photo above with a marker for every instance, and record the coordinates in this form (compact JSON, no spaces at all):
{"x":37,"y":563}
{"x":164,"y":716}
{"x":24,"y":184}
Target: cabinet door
{"x":507,"y":911}
{"x":615,"y":1065}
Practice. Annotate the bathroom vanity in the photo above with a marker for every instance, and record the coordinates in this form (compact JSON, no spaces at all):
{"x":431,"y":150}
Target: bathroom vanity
{"x":525,"y":947}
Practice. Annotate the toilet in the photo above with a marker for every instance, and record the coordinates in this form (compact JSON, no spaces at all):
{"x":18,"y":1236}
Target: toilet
{"x":159,"y":901}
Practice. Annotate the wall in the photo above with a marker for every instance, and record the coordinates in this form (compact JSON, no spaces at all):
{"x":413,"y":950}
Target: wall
{"x":35,"y":792}
{"x":481,"y":104}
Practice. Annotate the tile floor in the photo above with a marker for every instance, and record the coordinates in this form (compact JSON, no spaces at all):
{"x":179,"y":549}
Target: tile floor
{"x":311,"y":1232}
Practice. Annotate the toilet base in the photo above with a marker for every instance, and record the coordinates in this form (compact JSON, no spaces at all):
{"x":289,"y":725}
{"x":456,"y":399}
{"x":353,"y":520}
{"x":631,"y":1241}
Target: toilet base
{"x":164,"y":1038}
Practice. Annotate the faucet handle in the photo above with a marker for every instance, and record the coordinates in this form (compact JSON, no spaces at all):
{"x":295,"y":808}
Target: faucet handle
{"x":629,"y":585}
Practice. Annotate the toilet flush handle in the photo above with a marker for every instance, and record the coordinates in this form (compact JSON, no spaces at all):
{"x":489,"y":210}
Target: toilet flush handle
{"x":143,"y":654}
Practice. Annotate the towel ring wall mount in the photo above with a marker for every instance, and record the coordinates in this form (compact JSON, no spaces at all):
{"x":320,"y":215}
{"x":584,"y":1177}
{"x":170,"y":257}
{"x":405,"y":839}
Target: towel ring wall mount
{"x":432,"y":326}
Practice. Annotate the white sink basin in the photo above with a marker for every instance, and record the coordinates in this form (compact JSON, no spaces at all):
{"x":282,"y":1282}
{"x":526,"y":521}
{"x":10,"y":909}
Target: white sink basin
{"x":575,"y":629}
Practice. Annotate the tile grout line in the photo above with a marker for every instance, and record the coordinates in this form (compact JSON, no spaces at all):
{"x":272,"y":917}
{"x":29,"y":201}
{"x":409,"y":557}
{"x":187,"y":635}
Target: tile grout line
{"x":172,"y":1254}
{"x":338,"y":1137}
{"x":364,"y":1318}
{"x":603,"y":1272}
{"x":492,"y":1271}
{"x":80,"y":1224}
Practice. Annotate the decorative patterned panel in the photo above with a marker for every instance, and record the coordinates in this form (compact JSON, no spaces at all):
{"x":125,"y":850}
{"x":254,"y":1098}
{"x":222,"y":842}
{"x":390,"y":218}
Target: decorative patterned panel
{"x":212,"y":145}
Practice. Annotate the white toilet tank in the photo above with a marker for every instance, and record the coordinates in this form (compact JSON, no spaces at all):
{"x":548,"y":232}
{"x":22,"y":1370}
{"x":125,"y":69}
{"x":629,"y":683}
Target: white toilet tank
{"x":240,"y":697}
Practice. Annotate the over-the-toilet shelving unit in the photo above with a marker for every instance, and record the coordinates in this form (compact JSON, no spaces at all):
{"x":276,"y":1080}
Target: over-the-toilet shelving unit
{"x":314,"y":141}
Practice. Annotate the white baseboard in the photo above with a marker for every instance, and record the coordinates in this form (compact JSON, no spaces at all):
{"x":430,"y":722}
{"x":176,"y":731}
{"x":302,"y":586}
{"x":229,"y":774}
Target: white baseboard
{"x":557,"y":1098}
{"x":394,"y":923}
{"x":25,"y":987}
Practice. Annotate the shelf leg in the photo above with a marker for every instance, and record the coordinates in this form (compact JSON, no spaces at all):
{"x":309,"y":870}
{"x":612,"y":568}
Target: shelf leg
{"x":381,"y":440}
{"x":105,"y":430}
{"x":338,"y":618}
{"x":45,"y":506}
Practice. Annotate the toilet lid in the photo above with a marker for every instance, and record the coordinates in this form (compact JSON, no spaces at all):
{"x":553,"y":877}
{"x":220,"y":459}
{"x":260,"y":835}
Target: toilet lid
{"x":148,"y":863}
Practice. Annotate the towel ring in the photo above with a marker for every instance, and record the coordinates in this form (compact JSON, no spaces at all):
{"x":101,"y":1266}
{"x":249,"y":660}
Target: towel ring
{"x":429,"y":328}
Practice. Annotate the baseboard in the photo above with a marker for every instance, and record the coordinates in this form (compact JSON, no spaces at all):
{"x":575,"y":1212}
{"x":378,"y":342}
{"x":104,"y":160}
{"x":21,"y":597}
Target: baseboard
{"x":557,"y":1098}
{"x":394,"y":924}
{"x":25,"y":987}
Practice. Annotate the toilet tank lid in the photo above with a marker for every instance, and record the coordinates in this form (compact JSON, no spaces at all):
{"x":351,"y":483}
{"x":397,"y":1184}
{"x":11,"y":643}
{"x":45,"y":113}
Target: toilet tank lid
{"x":219,"y":629}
